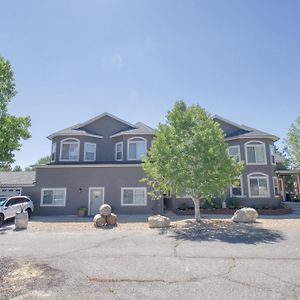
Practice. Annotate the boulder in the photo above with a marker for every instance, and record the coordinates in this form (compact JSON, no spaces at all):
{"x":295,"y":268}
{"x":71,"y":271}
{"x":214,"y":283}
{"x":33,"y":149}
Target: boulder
{"x":99,"y":221}
{"x":158,"y":221}
{"x":105,"y":210}
{"x":21,"y":220}
{"x":245,"y":215}
{"x":111,"y":219}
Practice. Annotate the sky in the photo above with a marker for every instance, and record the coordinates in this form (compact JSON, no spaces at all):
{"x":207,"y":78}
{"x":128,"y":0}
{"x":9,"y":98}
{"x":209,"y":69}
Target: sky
{"x":73,"y":60}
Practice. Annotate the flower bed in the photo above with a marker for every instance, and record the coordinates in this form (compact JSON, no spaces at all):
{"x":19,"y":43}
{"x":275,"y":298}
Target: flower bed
{"x":231,"y":211}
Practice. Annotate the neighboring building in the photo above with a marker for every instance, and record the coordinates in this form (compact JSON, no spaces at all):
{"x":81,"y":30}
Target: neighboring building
{"x":99,"y":161}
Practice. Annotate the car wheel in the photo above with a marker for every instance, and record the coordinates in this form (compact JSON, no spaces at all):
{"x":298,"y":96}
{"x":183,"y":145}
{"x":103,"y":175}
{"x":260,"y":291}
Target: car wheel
{"x":29,"y":212}
{"x":1,"y":219}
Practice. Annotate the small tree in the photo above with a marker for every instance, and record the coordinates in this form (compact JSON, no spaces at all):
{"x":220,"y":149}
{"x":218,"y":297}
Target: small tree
{"x":292,"y":148}
{"x":12,"y":128}
{"x":17,"y":168}
{"x":189,"y":156}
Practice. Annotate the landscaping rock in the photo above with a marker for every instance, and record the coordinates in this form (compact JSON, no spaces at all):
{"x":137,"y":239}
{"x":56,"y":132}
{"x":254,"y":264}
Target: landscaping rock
{"x":99,"y":221}
{"x":111,"y":219}
{"x":21,"y":220}
{"x":245,"y":215}
{"x":105,"y":210}
{"x":158,"y":221}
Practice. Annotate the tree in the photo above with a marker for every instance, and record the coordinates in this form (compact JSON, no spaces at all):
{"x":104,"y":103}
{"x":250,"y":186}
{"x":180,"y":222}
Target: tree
{"x":293,"y":144}
{"x":189,"y":156}
{"x":12,"y":128}
{"x":17,"y":168}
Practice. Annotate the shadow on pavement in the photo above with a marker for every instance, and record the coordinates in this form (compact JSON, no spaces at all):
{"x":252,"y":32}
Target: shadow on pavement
{"x":224,"y":231}
{"x":7,"y":226}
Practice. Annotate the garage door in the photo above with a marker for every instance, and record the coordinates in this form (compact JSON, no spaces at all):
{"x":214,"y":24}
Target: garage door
{"x":8,"y":192}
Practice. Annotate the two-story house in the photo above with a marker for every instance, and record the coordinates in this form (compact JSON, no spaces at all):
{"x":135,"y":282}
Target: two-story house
{"x":99,"y":161}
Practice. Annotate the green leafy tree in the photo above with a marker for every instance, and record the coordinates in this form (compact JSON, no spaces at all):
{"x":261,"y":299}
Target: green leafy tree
{"x":12,"y":129}
{"x":17,"y":168}
{"x":293,"y":144}
{"x":189,"y":156}
{"x":42,"y":161}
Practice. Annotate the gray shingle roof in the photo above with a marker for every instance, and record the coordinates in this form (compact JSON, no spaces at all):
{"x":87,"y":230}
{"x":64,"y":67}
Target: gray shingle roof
{"x":141,"y":129}
{"x":17,"y":178}
{"x":73,"y":132}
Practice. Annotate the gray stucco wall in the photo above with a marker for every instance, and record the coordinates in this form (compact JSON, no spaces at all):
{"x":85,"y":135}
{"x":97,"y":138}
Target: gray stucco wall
{"x":112,"y":178}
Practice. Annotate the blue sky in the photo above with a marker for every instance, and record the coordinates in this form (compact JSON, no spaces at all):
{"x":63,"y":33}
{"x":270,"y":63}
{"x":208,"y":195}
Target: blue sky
{"x":76,"y":59}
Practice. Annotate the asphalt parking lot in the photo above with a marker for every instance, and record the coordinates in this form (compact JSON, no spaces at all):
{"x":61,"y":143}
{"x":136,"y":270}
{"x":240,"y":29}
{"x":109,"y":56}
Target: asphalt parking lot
{"x":210,"y":260}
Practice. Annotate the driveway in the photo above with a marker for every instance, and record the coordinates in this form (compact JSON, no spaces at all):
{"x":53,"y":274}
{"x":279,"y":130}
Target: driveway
{"x":210,"y":260}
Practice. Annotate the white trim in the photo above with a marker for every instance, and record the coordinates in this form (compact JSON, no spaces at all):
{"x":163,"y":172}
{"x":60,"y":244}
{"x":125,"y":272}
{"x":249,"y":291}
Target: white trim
{"x":239,"y":150}
{"x":270,"y":147}
{"x":255,"y":143}
{"x":89,"y":202}
{"x":133,"y":188}
{"x":272,"y":137}
{"x":276,"y":195}
{"x":116,"y":147}
{"x":64,"y":141}
{"x":74,"y":134}
{"x":100,"y":117}
{"x":52,"y":189}
{"x":242,"y":189}
{"x":84,"y":152}
{"x":53,"y":151}
{"x":11,"y":188}
{"x":129,"y":133}
{"x":90,"y":166}
{"x":128,"y":143}
{"x":259,"y":175}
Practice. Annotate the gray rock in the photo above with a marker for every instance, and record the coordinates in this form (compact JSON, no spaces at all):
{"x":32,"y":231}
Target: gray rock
{"x":245,"y":215}
{"x":158,"y":221}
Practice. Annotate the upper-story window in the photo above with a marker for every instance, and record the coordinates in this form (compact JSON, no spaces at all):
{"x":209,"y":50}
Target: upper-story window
{"x":137,"y":148}
{"x":119,"y":151}
{"x":234,"y":151}
{"x":89,"y":151}
{"x":255,"y":153}
{"x":258,"y":185}
{"x":69,"y":150}
{"x":53,"y":152}
{"x":272,"y":154}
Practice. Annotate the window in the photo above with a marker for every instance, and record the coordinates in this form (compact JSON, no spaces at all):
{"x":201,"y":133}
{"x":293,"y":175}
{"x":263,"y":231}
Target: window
{"x":255,"y":153}
{"x":258,"y":185}
{"x":272,"y":154}
{"x":53,"y":152}
{"x":69,"y":150}
{"x":89,"y":151}
{"x":119,"y":151}
{"x":237,"y":190}
{"x":234,"y":151}
{"x":53,"y":197}
{"x":137,"y":148}
{"x":276,"y":187}
{"x":134,"y":196}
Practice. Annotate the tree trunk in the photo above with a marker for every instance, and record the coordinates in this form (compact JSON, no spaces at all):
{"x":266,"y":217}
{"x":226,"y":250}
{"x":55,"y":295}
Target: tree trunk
{"x":197,"y":209}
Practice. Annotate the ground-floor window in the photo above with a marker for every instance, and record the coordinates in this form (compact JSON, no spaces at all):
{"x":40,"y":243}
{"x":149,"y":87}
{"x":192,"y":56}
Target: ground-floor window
{"x":276,"y":186}
{"x":53,"y":197}
{"x":258,"y":185}
{"x":134,"y":196}
{"x":236,"y":190}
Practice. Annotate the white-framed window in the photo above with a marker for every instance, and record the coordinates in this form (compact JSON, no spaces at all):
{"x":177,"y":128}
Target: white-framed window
{"x":137,"y":148}
{"x":119,"y":151}
{"x":255,"y":153}
{"x":53,"y":152}
{"x":258,"y":185}
{"x":272,"y":154}
{"x":276,"y":186}
{"x":134,"y":196}
{"x":237,"y":190}
{"x":53,"y":196}
{"x":69,"y":149}
{"x":234,"y":151}
{"x":89,"y":151}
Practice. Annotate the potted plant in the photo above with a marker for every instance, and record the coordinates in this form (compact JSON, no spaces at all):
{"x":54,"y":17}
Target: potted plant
{"x":82,"y":211}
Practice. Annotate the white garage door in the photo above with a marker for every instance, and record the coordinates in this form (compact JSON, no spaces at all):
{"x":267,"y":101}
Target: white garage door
{"x":8,"y":192}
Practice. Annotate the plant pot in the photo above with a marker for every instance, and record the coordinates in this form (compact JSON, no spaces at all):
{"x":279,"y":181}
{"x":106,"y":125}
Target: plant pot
{"x":82,"y":212}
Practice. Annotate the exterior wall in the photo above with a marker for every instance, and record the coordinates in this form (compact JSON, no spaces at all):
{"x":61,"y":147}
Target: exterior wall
{"x":112,"y":178}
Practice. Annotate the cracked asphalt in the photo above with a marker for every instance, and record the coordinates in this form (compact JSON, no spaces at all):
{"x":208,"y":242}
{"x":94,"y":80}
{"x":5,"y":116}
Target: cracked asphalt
{"x":198,"y":262}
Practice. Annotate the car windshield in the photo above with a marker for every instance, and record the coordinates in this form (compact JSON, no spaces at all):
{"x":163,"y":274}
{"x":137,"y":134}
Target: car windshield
{"x":2,"y":201}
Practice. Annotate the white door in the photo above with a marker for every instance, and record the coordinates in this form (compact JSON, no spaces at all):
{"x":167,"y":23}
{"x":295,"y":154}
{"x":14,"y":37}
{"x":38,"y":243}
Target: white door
{"x":96,"y":199}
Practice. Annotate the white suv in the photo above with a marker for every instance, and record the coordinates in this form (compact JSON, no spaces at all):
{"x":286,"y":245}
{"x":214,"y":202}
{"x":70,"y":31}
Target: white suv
{"x":10,"y":206}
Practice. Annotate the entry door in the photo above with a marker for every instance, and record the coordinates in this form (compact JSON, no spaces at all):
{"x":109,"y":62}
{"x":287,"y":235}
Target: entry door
{"x":96,"y":200}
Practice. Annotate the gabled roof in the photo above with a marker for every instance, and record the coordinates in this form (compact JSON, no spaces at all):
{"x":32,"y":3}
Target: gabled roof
{"x":24,"y":178}
{"x":105,"y":114}
{"x":244,"y":131}
{"x":141,"y":128}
